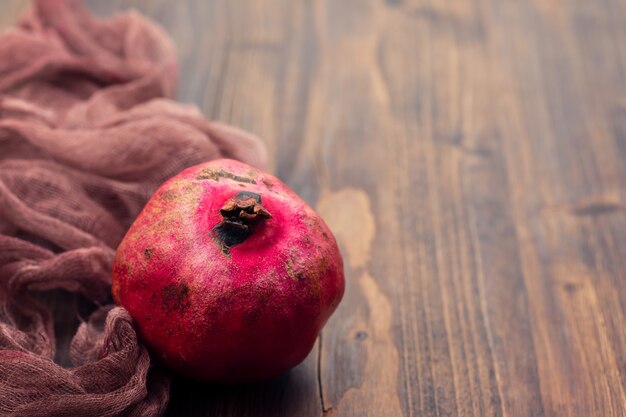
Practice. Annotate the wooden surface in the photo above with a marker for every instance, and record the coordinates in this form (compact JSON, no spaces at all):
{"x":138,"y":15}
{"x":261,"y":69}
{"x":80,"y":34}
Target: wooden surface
{"x":470,"y":156}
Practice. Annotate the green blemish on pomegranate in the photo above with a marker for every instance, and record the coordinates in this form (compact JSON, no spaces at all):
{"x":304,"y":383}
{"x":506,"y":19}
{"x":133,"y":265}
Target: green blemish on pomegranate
{"x":208,"y":174}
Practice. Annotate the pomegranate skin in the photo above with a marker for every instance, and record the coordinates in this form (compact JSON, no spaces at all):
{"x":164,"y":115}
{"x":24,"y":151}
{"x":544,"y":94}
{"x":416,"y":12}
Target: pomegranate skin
{"x":215,"y":309}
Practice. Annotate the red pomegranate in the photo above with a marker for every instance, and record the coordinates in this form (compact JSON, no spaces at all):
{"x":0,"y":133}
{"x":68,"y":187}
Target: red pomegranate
{"x":229,"y":276}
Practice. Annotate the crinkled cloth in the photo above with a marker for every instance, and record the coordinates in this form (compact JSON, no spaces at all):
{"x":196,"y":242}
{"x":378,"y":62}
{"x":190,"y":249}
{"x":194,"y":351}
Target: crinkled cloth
{"x":86,"y":135}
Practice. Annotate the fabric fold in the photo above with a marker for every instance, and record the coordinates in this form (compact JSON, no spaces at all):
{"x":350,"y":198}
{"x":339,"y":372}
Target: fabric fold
{"x":88,"y":130}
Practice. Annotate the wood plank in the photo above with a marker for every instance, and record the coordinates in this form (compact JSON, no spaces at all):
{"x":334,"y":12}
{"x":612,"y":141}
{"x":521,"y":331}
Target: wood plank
{"x":11,"y":10}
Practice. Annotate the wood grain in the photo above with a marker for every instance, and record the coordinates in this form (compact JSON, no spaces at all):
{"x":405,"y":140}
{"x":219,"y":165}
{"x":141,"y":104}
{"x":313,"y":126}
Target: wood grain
{"x":470,"y":157}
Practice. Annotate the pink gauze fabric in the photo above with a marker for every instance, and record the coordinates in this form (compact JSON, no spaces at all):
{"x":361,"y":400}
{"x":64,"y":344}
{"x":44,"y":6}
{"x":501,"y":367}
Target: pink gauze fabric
{"x":86,"y":135}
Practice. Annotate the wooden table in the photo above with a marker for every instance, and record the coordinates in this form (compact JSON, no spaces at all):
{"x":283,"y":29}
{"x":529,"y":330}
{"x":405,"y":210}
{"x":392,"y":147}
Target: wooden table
{"x":470,"y":157}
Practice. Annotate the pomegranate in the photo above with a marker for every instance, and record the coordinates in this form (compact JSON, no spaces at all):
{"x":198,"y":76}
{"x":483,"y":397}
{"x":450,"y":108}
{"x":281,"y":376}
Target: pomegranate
{"x":228,"y":275}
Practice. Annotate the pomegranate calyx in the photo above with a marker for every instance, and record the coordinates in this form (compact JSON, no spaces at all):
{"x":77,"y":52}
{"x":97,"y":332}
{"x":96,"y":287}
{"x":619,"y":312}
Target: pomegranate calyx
{"x":240,"y":214}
